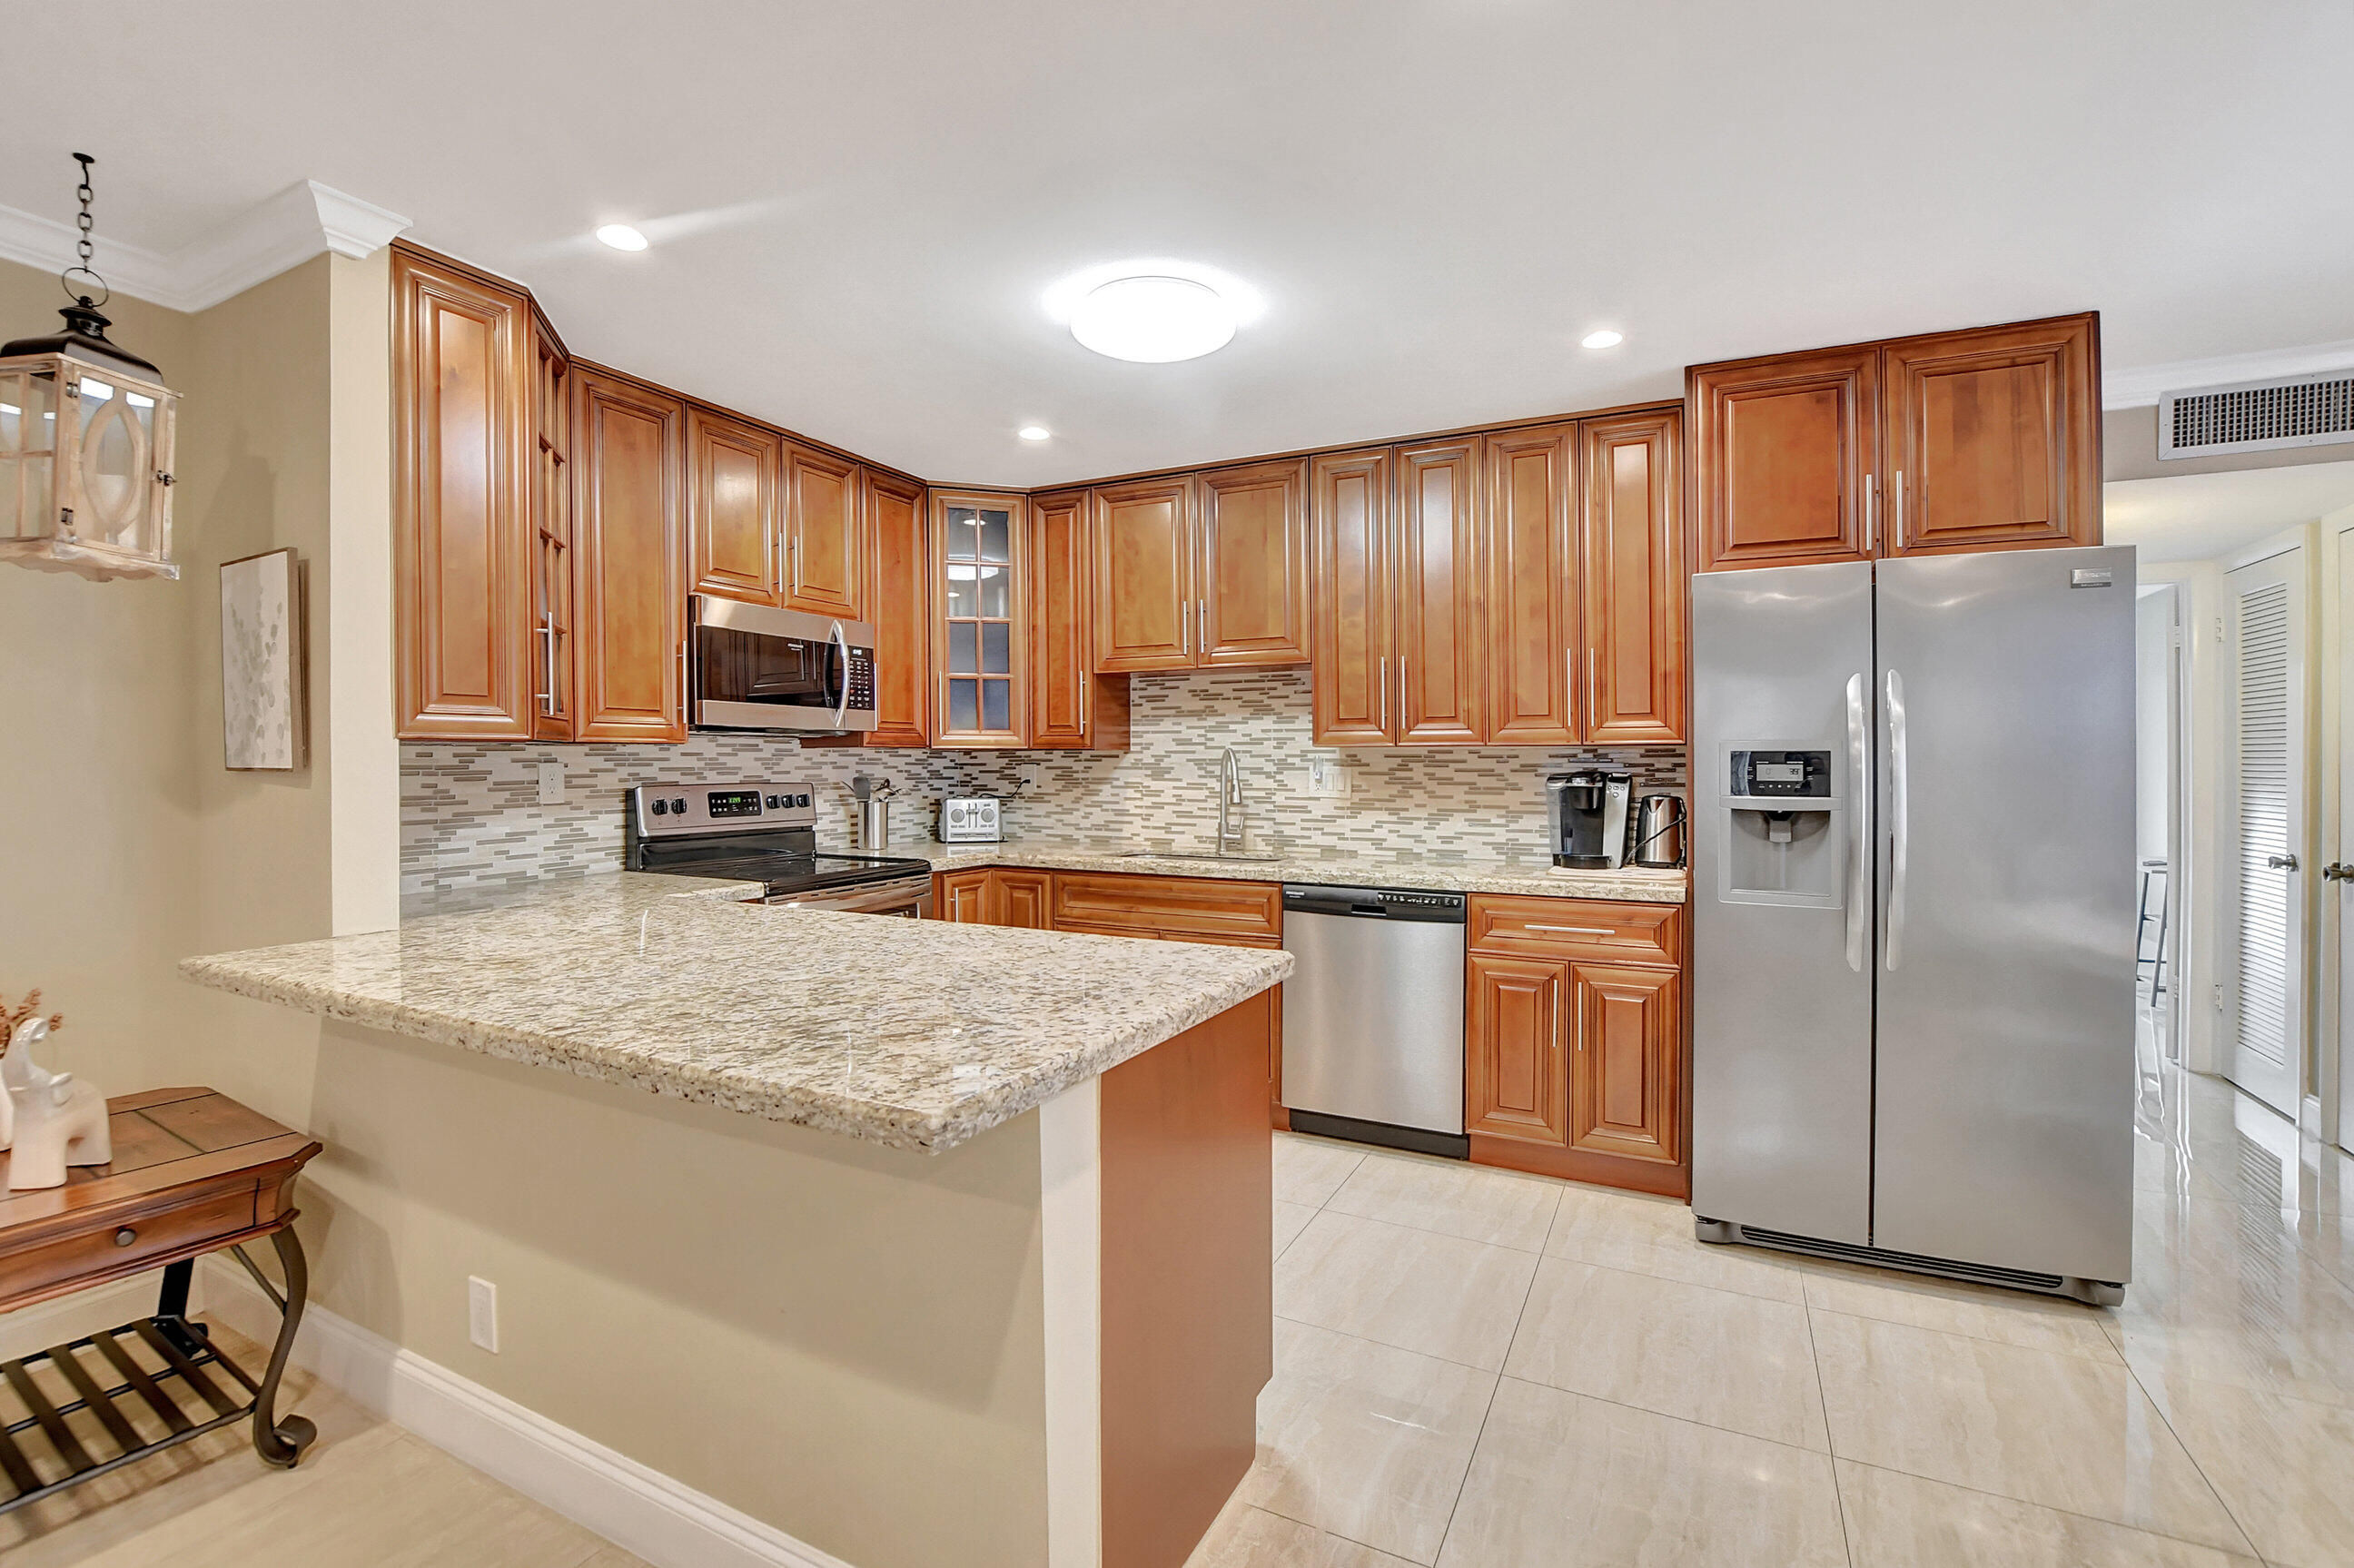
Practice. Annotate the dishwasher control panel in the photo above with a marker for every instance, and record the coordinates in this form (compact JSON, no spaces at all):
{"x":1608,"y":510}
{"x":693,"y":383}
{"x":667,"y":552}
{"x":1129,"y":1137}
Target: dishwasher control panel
{"x":1376,"y":903}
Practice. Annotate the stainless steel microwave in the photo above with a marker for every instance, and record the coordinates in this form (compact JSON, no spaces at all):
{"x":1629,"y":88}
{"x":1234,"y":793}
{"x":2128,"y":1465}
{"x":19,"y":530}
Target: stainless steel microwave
{"x":751,"y":667}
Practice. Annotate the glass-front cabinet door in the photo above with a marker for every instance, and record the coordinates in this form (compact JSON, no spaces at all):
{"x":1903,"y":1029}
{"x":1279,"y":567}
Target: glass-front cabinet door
{"x":977,"y":551}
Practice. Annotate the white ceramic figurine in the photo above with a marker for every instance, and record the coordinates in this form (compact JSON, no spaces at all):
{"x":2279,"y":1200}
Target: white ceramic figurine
{"x":48,"y":1120}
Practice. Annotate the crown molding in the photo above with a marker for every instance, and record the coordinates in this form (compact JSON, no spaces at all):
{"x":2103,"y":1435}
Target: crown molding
{"x":304,"y":220}
{"x":2144,"y":385}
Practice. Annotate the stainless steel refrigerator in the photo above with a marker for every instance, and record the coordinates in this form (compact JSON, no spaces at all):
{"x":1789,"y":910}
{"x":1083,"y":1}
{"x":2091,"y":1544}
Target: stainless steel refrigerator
{"x":1913,"y":935}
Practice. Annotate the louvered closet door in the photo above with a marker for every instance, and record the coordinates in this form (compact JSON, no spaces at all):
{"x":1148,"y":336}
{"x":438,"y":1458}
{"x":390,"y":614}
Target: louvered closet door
{"x":2266,"y":794}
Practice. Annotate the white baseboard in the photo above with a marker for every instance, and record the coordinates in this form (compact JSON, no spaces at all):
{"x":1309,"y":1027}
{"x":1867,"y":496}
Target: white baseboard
{"x":668,"y":1524}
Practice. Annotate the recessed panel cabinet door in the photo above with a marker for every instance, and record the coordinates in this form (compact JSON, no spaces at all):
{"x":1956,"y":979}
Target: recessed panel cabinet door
{"x":1994,"y":438}
{"x":1631,"y":576}
{"x":1533,"y":690}
{"x":1786,"y":454}
{"x":1144,"y":580}
{"x":463,"y":369}
{"x":1624,"y":1083}
{"x":821,"y":538}
{"x":898,"y":598}
{"x":1514,"y":1030}
{"x":1071,"y":707}
{"x":963,"y":897}
{"x":631,"y":658}
{"x":1436,"y":580}
{"x":1251,"y":599}
{"x":1022,"y":899}
{"x":1348,"y":513}
{"x":732,"y":485}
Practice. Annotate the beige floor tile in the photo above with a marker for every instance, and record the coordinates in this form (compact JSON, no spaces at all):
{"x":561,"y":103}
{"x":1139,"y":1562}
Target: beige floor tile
{"x":2011,"y":1316}
{"x":1654,"y":1235}
{"x":1246,"y":1537}
{"x":1364,"y":1440}
{"x":614,"y":1557}
{"x":2064,"y":1431}
{"x":1742,"y":1362}
{"x":1563,"y":1481}
{"x":1436,"y":1296}
{"x":1290,"y":1219}
{"x":1310,"y":1170}
{"x":2281,"y":1464}
{"x":1896,"y":1521}
{"x":1468,"y":1200}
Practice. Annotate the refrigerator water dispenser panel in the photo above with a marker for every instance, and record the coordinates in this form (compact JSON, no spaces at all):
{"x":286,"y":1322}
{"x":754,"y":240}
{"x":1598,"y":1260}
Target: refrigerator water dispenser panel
{"x":1786,"y":839}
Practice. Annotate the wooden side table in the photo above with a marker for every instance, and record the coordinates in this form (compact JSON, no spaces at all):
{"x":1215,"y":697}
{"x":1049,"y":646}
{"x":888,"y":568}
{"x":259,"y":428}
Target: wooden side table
{"x":194,"y":1171}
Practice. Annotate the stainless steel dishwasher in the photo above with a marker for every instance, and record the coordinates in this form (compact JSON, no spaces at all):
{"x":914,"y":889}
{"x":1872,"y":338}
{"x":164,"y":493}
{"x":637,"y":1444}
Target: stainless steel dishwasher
{"x":1373,"y":1016}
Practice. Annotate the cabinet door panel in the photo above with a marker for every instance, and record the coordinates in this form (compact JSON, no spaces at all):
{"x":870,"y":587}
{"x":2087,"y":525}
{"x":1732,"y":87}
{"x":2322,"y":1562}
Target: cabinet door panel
{"x":732,"y":490}
{"x":1785,"y":452}
{"x":1252,"y":594}
{"x":1350,"y":644}
{"x":1532,"y":696}
{"x":1071,"y":707}
{"x":462,"y":596}
{"x":898,"y":598}
{"x":1514,"y":1028}
{"x":1144,"y":576}
{"x":962,"y":896}
{"x":980,"y":585}
{"x":632,"y":562}
{"x":1994,"y":438}
{"x":1022,"y":899}
{"x":1437,"y":591}
{"x":821,"y":538}
{"x":1631,"y":573}
{"x":1625,"y":1089}
{"x":552,"y":620}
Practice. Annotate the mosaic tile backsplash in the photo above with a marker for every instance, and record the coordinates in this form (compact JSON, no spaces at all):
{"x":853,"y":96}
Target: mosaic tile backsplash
{"x":470,"y":821}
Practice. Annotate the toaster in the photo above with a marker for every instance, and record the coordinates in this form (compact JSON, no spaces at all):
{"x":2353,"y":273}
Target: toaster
{"x":972,"y":819}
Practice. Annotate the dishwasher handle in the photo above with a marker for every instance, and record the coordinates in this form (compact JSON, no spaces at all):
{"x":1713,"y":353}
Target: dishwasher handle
{"x":1377,"y":903}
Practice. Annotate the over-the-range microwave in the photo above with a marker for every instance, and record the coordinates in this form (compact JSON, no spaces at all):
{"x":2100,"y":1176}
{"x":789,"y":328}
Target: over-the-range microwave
{"x":752,"y":667}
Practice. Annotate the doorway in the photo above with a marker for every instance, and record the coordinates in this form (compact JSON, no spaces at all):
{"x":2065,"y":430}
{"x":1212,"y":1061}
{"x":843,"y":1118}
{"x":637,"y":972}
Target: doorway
{"x":2163,"y":891}
{"x":2265,"y":798}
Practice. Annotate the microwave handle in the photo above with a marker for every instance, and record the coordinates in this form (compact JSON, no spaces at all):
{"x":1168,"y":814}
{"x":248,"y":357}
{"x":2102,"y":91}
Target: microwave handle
{"x":842,"y":642}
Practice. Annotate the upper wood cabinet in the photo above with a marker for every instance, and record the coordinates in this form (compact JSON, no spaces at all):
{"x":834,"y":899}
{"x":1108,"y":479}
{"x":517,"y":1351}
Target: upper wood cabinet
{"x":1531,"y":636}
{"x":734,"y":471}
{"x":1630,"y":574}
{"x":631,"y":662}
{"x":980,"y":563}
{"x":552,"y":623}
{"x":1435,"y":578}
{"x":1250,"y":577}
{"x":464,"y":364}
{"x":1071,"y":707}
{"x":1989,"y":438}
{"x":823,"y":559}
{"x":1350,"y":612}
{"x":1144,"y":596}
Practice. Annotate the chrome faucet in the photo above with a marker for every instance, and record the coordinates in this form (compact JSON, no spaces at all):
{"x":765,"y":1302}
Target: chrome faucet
{"x":1231,"y":825}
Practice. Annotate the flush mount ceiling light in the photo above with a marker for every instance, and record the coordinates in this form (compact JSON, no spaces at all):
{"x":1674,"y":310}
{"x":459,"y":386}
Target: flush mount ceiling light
{"x":622,"y":237}
{"x":1033,"y":432}
{"x":1606,"y":338}
{"x":1153,"y":311}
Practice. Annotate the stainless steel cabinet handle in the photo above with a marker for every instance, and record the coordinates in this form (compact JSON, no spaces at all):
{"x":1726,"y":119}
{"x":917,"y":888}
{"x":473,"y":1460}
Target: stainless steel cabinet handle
{"x":1896,"y":511}
{"x":547,"y":696}
{"x":1900,"y":834}
{"x":1185,"y":626}
{"x":1869,"y":489}
{"x":1572,"y":930}
{"x":2281,"y":862}
{"x":1201,"y":620}
{"x":1385,"y":693}
{"x":1859,"y":840}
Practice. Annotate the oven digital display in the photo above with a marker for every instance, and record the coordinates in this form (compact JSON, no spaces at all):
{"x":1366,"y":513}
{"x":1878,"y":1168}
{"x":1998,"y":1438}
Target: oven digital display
{"x":734,"y":803}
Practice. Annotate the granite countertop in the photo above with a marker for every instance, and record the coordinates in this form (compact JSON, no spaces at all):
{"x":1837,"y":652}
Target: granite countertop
{"x":1534,"y":877}
{"x":920,"y":1035}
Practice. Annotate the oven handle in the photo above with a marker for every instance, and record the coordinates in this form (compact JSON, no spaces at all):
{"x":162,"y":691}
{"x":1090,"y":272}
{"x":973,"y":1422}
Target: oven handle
{"x":842,"y":709}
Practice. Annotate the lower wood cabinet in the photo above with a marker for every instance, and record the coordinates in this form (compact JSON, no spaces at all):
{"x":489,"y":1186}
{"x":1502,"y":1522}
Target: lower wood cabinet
{"x":1516,"y":1018}
{"x":992,"y":895}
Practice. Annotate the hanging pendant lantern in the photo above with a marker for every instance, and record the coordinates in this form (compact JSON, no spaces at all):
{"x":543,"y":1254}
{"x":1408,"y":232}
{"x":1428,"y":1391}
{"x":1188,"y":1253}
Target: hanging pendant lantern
{"x":85,"y":442}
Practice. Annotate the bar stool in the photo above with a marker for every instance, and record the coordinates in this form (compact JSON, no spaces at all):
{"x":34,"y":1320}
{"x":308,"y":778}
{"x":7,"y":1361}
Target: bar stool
{"x":2153,"y":872}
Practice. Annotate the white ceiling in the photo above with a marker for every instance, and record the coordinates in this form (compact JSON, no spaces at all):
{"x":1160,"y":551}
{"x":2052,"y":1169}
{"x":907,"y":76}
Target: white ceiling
{"x":2206,"y":516}
{"x":857,"y":207}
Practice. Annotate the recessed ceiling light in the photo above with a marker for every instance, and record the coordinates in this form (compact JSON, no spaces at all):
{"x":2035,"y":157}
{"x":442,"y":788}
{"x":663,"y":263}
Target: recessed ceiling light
{"x":622,"y":237}
{"x":1033,"y":432}
{"x":1606,"y":338}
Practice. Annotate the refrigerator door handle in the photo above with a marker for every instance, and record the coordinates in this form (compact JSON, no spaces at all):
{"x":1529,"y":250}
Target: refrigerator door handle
{"x":1859,"y":847}
{"x":1898,"y":826}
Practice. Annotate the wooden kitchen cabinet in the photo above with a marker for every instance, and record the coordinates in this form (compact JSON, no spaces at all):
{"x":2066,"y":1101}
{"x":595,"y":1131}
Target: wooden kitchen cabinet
{"x":1144,"y":547}
{"x":1987,"y":439}
{"x":1349,"y":611}
{"x":1630,"y":572}
{"x":1024,"y":898}
{"x":961,"y":897}
{"x":1436,"y":579}
{"x":552,"y":620}
{"x":1070,"y":706}
{"x":979,"y":559}
{"x":1250,"y":575}
{"x":823,"y":560}
{"x":464,"y":364}
{"x":898,"y":598}
{"x":1531,"y":561}
{"x":1515,"y":1027}
{"x":630,"y":571}
{"x":735,"y":476}
{"x":993,"y":895}
{"x":1198,"y":908}
{"x":1625,"y":1091}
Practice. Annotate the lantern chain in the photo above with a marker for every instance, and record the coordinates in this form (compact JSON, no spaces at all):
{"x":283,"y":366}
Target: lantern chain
{"x":83,"y":248}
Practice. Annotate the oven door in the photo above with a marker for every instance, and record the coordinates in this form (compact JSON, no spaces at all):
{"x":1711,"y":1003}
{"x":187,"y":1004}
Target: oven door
{"x":751,"y":667}
{"x":909,"y":898}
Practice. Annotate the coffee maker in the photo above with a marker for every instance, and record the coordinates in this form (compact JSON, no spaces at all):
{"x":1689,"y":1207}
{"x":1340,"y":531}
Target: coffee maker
{"x":1586,"y":811}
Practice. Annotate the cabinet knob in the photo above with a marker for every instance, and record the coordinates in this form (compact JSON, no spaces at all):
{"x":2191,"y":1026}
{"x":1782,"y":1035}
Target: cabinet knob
{"x":125,"y":1236}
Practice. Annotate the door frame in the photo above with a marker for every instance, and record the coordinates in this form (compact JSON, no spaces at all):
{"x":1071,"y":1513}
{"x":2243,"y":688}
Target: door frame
{"x":2331,"y":1104}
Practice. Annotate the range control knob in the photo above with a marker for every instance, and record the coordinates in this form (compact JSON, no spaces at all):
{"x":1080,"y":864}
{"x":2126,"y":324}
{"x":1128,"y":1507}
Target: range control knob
{"x":662,"y":807}
{"x":679,"y":805}
{"x":800,"y":800}
{"x":774,"y":802}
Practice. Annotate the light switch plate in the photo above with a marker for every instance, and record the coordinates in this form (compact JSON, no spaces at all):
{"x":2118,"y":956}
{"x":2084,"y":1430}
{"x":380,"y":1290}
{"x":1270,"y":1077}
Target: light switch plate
{"x":483,"y":1313}
{"x":1327,"y":779}
{"x":551,"y":783}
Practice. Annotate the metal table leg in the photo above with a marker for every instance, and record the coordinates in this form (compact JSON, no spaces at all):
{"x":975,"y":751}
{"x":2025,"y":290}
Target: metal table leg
{"x":282,"y":1443}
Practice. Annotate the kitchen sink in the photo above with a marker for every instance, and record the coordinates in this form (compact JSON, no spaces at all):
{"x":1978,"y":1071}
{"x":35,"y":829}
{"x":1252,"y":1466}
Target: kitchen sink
{"x":1191,"y":854}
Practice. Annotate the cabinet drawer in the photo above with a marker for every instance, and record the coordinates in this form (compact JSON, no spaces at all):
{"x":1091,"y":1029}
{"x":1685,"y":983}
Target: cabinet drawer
{"x":1168,"y":906}
{"x":1578,"y":928}
{"x":99,"y":1253}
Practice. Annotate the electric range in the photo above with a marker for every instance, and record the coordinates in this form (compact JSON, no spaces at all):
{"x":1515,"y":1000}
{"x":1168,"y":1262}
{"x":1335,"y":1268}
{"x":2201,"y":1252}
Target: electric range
{"x":767,"y":833}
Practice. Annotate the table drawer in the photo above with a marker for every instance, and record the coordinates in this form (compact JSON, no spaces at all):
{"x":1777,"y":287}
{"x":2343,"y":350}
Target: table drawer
{"x":103,"y":1253}
{"x":1170,"y":905}
{"x":1578,"y":929}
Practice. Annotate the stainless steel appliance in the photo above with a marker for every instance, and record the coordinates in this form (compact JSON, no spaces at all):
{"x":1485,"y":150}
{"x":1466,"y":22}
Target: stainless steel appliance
{"x":972,"y":819}
{"x":1913,"y":984}
{"x":1659,"y":831}
{"x":752,"y":667}
{"x":1587,"y":810}
{"x":1373,"y":1016}
{"x":767,"y":833}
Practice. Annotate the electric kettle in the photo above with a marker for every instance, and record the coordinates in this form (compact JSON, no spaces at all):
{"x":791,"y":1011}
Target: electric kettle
{"x":1659,"y":832}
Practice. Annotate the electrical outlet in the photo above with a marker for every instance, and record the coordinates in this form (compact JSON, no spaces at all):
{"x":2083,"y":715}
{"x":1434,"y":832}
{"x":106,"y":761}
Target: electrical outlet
{"x":483,"y":1313}
{"x":1032,"y":777}
{"x":1327,"y":779}
{"x":551,"y":783}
